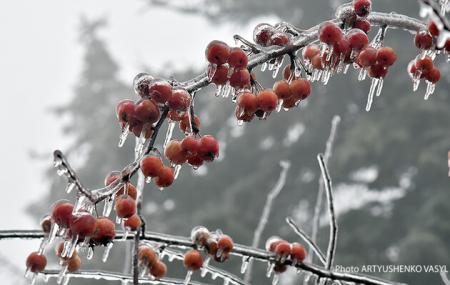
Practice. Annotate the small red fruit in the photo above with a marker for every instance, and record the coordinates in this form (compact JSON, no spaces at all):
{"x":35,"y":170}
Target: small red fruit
{"x":282,"y":89}
{"x":151,"y":166}
{"x":225,"y":244}
{"x":272,"y":243}
{"x":316,"y":62}
{"x":158,"y":270}
{"x":133,"y":223}
{"x":200,"y":236}
{"x":363,"y":25}
{"x":125,"y":206}
{"x":267,"y":100}
{"x":180,"y":100}
{"x":124,"y":110}
{"x":175,"y":115}
{"x":46,"y":224}
{"x":329,"y":33}
{"x":287,"y":72}
{"x":247,"y":103}
{"x":362,"y":7}
{"x":279,"y":39}
{"x":378,"y":71}
{"x":423,"y":40}
{"x":310,"y":51}
{"x":147,"y":111}
{"x":280,"y":268}
{"x":367,"y":57}
{"x":160,"y":91}
{"x":147,"y":256}
{"x":357,"y":39}
{"x":240,"y":79}
{"x":238,"y":58}
{"x":174,"y":152}
{"x":165,"y":177}
{"x":433,"y":29}
{"x":209,"y":148}
{"x":131,"y":191}
{"x":262,"y":34}
{"x":73,"y":264}
{"x":283,"y":249}
{"x":62,"y":214}
{"x":220,"y":76}
{"x":193,"y":260}
{"x":105,"y":231}
{"x":196,"y":161}
{"x":190,"y":146}
{"x":217,"y":52}
{"x":424,"y":64}
{"x":83,"y":225}
{"x":298,"y":252}
{"x":342,"y":48}
{"x":300,"y":88}
{"x":433,"y":76}
{"x":386,"y":56}
{"x":36,"y":262}
{"x":59,"y":250}
{"x":185,"y":124}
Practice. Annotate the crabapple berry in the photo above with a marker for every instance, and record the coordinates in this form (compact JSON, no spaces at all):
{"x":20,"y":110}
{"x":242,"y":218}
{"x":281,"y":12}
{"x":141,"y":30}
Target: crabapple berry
{"x":316,"y":62}
{"x":133,"y":222}
{"x":158,"y":270}
{"x":195,"y":160}
{"x":200,"y":236}
{"x":209,"y":148}
{"x":160,"y":91}
{"x":217,"y":52}
{"x":73,"y":264}
{"x":59,"y":250}
{"x":62,"y":214}
{"x":279,"y":39}
{"x":151,"y":166}
{"x":131,"y":191}
{"x":423,"y":40}
{"x":262,"y":34}
{"x":386,"y":56}
{"x":141,"y":83}
{"x":282,"y":249}
{"x":46,"y":224}
{"x":280,"y":268}
{"x":147,"y":111}
{"x":267,"y":100}
{"x":190,"y":146}
{"x":240,"y":79}
{"x":272,"y":242}
{"x":180,"y":100}
{"x":83,"y":225}
{"x":357,"y":39}
{"x":105,"y":231}
{"x":193,"y":260}
{"x":124,"y":110}
{"x":185,"y":123}
{"x":238,"y":58}
{"x":247,"y":103}
{"x":165,"y":177}
{"x":298,"y":252}
{"x":378,"y":71}
{"x":342,"y":48}
{"x":290,"y":102}
{"x":147,"y":256}
{"x":362,"y":8}
{"x":125,"y":206}
{"x":174,"y":152}
{"x":225,"y":244}
{"x":367,"y":57}
{"x":433,"y":75}
{"x":329,"y":33}
{"x":300,"y":88}
{"x":175,"y":115}
{"x":310,"y":51}
{"x":287,"y":72}
{"x":282,"y":89}
{"x":362,"y":24}
{"x":433,"y":29}
{"x":424,"y":64}
{"x":36,"y":262}
{"x":211,"y":246}
{"x":220,"y":76}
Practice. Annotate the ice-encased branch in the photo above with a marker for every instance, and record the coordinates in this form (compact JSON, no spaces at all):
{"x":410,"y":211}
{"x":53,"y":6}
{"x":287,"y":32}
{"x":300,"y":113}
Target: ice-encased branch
{"x":266,"y":212}
{"x":238,"y":250}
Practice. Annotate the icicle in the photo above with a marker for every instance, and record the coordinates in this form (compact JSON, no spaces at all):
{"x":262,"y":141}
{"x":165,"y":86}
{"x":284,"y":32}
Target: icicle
{"x":430,"y":89}
{"x":203,"y":270}
{"x":148,"y":179}
{"x":264,"y":66}
{"x":371,"y":93}
{"x":219,"y":90}
{"x":90,"y":253}
{"x":329,"y":54}
{"x":139,"y":146}
{"x":107,"y":251}
{"x":176,"y":171}
{"x":42,"y":246}
{"x":276,"y":279}
{"x":33,"y":279}
{"x":27,"y":273}
{"x":226,"y":281}
{"x":362,"y":74}
{"x":416,"y":83}
{"x":61,"y":274}
{"x":188,"y":277}
{"x":270,"y":267}
{"x":66,"y":280}
{"x":277,"y":66}
{"x":169,"y":133}
{"x":379,"y":87}
{"x":46,"y":278}
{"x":70,"y":186}
{"x":240,"y":123}
{"x":212,"y":68}
{"x":245,"y":262}
{"x":214,"y":275}
{"x":107,"y":208}
{"x":118,"y":220}
{"x":279,"y":106}
{"x":124,"y":135}
{"x":69,"y":247}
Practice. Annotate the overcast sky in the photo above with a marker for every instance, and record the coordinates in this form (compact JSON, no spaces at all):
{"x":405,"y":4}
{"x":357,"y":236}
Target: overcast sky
{"x":40,"y":60}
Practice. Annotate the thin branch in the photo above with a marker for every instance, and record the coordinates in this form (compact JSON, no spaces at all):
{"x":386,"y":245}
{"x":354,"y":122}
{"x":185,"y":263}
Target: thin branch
{"x":333,"y":223}
{"x":327,"y":155}
{"x":313,"y":246}
{"x":238,"y":250}
{"x":444,"y":278}
{"x":266,"y":212}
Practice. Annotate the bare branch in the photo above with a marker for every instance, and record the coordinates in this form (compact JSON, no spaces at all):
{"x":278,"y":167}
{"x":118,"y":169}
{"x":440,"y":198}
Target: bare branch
{"x":333,"y":223}
{"x":313,"y":246}
{"x":266,"y":211}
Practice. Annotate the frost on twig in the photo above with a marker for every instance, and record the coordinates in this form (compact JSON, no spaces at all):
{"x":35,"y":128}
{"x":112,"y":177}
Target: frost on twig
{"x":327,"y":155}
{"x":266,"y":212}
{"x":444,"y":278}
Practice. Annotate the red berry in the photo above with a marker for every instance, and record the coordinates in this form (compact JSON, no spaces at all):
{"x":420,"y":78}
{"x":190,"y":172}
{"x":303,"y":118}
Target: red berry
{"x":447,"y":46}
{"x":62,"y":214}
{"x":280,"y":268}
{"x":367,"y":57}
{"x":59,"y":250}
{"x":272,"y":243}
{"x":238,"y":58}
{"x":195,"y":161}
{"x":36,"y":262}
{"x":105,"y":231}
{"x":310,"y":51}
{"x":267,"y":101}
{"x":46,"y":224}
{"x":165,"y":177}
{"x":282,"y":89}
{"x":424,"y":64}
{"x":423,"y":40}
{"x":225,"y":243}
{"x":83,"y":225}
{"x":125,"y":206}
{"x":300,"y":89}
{"x":412,"y":68}
{"x":247,"y":103}
{"x":240,"y":79}
{"x":158,"y":270}
{"x":124,"y":110}
{"x":316,"y":62}
{"x":342,"y":48}
{"x":73,"y":264}
{"x":147,"y":256}
{"x":185,"y":124}
{"x":211,"y":246}
{"x":279,"y":39}
{"x":386,"y":56}
{"x":200,"y":236}
{"x":160,"y":91}
{"x":283,"y":249}
{"x":329,"y":33}
{"x":287,"y":72}
{"x":290,"y":102}
{"x":378,"y":71}
{"x":174,"y":152}
{"x":433,"y":76}
{"x":262,"y":34}
{"x":190,"y":146}
{"x":298,"y":252}
{"x":151,"y":166}
{"x":217,"y":52}
{"x":141,"y":83}
{"x":193,"y":260}
{"x":133,"y":223}
{"x":175,"y":115}
{"x":209,"y":148}
{"x":180,"y":100}
{"x":433,"y":29}
{"x":131,"y":191}
{"x":220,"y":76}
{"x":362,"y":7}
{"x":147,"y":111}
{"x":357,"y":39}
{"x":363,"y":25}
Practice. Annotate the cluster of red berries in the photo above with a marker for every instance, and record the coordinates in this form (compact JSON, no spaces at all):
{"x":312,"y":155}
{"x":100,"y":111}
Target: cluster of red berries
{"x":149,"y":261}
{"x":433,"y":31}
{"x":284,"y":251}
{"x":140,"y":117}
{"x":423,"y":68}
{"x":193,"y":150}
{"x":292,"y":92}
{"x":266,"y":35}
{"x":362,"y":8}
{"x":227,"y":65}
{"x":153,"y":168}
{"x":377,"y":61}
{"x":216,"y":244}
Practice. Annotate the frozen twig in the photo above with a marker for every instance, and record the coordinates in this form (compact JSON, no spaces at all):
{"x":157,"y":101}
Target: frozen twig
{"x":312,"y":245}
{"x":327,"y":155}
{"x":333,"y":223}
{"x":266,"y":211}
{"x":444,"y":278}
